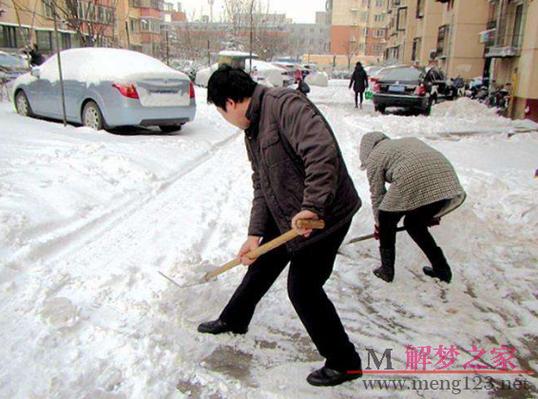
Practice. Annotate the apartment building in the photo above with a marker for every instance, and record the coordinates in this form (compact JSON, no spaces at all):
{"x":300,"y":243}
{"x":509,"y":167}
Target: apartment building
{"x":495,"y":39}
{"x":310,"y":38}
{"x":27,"y":22}
{"x":444,"y":31}
{"x":511,"y":52}
{"x":401,"y":28}
{"x":358,"y":27}
{"x":428,"y":19}
{"x":459,"y":49}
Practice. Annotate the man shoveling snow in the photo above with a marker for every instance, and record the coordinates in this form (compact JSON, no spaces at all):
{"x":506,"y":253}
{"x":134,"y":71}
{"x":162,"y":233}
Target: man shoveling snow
{"x":298,"y":173}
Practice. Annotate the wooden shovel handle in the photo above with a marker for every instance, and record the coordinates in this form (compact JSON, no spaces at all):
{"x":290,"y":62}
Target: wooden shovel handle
{"x":263,"y":249}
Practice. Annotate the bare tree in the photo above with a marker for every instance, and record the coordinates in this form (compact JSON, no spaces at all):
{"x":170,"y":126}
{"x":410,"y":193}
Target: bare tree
{"x":351,"y":49}
{"x":269,"y":35}
{"x":89,"y":19}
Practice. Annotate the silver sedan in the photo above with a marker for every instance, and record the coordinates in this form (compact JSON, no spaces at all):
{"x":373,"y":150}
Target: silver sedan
{"x":107,"y":88}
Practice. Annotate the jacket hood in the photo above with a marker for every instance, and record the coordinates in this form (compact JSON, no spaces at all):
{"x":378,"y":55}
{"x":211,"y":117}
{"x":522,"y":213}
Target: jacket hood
{"x":368,"y":142}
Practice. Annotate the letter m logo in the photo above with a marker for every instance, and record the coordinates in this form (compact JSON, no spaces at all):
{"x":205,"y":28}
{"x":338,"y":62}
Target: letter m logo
{"x":377,"y":362}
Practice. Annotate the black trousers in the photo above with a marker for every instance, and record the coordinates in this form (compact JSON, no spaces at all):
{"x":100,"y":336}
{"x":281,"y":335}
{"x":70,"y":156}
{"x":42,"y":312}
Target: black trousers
{"x":309,"y":270}
{"x":416,"y":223}
{"x":357,"y":93}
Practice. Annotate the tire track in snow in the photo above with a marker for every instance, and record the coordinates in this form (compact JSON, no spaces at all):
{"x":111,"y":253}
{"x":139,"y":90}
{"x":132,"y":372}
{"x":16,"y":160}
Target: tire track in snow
{"x":90,"y":228}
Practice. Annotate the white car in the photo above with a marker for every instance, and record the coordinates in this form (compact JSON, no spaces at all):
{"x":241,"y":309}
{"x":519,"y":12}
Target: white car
{"x":107,"y":87}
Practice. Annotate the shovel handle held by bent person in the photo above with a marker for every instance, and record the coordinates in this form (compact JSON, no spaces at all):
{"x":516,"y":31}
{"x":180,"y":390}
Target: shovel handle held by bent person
{"x":263,"y":249}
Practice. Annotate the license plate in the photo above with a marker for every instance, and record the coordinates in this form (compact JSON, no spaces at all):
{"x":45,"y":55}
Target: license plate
{"x":397,"y":88}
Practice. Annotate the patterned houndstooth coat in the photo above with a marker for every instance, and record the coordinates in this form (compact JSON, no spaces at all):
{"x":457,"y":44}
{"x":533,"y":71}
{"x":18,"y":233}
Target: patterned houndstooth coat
{"x":418,"y":174}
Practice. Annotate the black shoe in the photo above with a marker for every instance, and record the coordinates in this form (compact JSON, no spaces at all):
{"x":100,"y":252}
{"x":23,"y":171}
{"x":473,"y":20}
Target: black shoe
{"x":445,"y":275}
{"x":218,"y":327}
{"x":326,"y":377}
{"x":386,"y":270}
{"x":440,"y":268}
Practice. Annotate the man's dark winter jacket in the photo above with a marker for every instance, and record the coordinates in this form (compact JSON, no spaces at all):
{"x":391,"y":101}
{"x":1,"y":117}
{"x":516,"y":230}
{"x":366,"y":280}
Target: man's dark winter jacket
{"x":297,"y":165}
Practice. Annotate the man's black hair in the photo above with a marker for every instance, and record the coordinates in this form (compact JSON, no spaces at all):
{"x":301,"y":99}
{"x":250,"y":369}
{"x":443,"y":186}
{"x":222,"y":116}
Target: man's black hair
{"x":228,"y":83}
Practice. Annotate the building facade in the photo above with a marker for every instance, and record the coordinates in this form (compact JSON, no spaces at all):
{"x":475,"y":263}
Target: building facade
{"x":358,"y":27}
{"x":511,"y":55}
{"x":24,"y":23}
{"x":310,"y":38}
{"x":493,"y":39}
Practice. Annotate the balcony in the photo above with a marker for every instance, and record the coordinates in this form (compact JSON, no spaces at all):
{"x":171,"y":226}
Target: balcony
{"x":503,"y":52}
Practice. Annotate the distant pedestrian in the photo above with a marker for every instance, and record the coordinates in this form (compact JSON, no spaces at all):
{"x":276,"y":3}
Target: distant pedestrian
{"x":303,"y":87}
{"x":423,"y":185}
{"x":359,"y":83}
{"x":298,"y":75}
{"x":36,"y":58}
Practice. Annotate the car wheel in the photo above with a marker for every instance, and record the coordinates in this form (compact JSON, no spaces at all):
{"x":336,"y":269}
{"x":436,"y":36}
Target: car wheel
{"x":92,"y":116}
{"x":22,"y":105}
{"x":170,"y":128}
{"x":380,"y":108}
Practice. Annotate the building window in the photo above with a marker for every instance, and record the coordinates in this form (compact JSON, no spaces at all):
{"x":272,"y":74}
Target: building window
{"x":379,"y":17}
{"x":380,"y":3}
{"x":442,"y":40}
{"x":89,"y":11}
{"x":44,"y":40}
{"x":135,"y":25}
{"x":65,"y":40}
{"x":420,"y":8}
{"x":417,"y":42}
{"x":8,"y":38}
{"x":518,"y":25}
{"x":47,"y":8}
{"x":22,"y":37}
{"x":401,"y":19}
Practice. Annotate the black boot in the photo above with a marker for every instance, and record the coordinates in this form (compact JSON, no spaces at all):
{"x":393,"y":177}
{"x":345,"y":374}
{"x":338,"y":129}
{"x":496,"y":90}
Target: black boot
{"x":386,"y":271}
{"x":219,"y":327}
{"x":440,"y":268}
{"x":326,"y":377}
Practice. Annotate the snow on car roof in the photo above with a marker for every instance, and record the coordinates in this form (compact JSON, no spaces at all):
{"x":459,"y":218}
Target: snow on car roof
{"x":233,"y":53}
{"x":93,"y":65}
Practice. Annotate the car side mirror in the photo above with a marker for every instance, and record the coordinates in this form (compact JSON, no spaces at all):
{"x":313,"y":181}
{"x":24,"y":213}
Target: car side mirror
{"x":35,"y":72}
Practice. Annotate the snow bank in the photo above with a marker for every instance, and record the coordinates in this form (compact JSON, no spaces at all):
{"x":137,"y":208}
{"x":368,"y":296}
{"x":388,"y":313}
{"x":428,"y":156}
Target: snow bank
{"x":462,"y":108}
{"x":320,"y":79}
{"x":265,"y":73}
{"x":203,"y":75}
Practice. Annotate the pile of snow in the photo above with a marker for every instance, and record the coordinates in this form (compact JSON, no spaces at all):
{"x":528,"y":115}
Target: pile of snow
{"x":93,"y":65}
{"x":317,"y":79}
{"x":462,"y":108}
{"x":203,"y":75}
{"x":263,"y":72}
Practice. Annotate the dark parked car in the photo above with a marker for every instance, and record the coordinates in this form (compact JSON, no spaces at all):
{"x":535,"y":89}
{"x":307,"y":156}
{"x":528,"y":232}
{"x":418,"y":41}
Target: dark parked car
{"x":409,"y":87}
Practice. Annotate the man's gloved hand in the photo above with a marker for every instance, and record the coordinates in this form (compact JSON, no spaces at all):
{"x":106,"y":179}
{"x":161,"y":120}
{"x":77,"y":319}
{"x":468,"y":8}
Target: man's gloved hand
{"x":434,"y":222}
{"x":376,"y":232}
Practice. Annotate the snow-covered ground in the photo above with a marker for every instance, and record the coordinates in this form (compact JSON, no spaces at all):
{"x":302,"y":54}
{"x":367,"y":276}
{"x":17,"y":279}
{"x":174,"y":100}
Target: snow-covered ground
{"x":88,"y":219}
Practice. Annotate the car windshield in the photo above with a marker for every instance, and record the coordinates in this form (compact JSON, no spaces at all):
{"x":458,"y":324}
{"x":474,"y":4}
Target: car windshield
{"x":410,"y":73}
{"x":10,"y":61}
